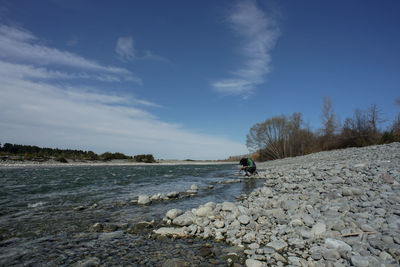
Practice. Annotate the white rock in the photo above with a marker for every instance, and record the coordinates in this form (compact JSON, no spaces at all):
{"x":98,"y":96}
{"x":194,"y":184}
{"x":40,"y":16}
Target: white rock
{"x":143,"y":200}
{"x":318,"y":229}
{"x":254,"y":246}
{"x":228,"y":206}
{"x":185,"y":219}
{"x":296,"y":222}
{"x":168,"y":231}
{"x":194,"y":187}
{"x":266,"y":192}
{"x":172,"y":214}
{"x":203,"y":211}
{"x":337,"y":244}
{"x":243,"y":219}
{"x":278,"y":245}
{"x":155,"y":197}
{"x":210,"y":204}
{"x":219,"y":236}
{"x":253,"y":263}
{"x":219,"y":223}
{"x":359,"y":261}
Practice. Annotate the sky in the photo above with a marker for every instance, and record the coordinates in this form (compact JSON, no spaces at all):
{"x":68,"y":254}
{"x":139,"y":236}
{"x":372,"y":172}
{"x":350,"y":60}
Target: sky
{"x":188,"y":79}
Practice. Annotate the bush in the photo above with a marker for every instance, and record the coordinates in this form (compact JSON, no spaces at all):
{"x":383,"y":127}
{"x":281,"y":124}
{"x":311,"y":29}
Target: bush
{"x":146,"y":158}
{"x":62,"y":160}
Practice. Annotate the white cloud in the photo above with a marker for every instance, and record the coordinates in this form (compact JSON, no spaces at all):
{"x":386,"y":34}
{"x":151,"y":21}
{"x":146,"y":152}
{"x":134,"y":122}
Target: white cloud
{"x":19,"y":45}
{"x":259,"y":33}
{"x":126,"y":51}
{"x":50,"y":115}
{"x":124,"y":48}
{"x":37,"y":108}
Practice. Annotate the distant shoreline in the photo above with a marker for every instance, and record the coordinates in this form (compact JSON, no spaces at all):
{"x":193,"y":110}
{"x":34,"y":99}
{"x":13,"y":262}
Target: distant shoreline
{"x":54,"y":163}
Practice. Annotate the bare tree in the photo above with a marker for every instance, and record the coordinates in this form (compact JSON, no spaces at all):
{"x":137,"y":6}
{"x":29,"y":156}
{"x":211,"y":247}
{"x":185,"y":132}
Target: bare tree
{"x":330,"y":124}
{"x":398,"y":101}
{"x":279,"y":137}
{"x":328,"y":117}
{"x":375,"y":118}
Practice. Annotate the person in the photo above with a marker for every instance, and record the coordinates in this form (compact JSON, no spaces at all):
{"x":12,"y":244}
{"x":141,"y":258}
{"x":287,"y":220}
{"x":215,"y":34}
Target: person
{"x":249,"y":166}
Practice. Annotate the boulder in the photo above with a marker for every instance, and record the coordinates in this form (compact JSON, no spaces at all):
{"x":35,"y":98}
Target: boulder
{"x":228,"y":206}
{"x":337,"y":244}
{"x":185,"y":219}
{"x":144,"y":200}
{"x":277,"y":245}
{"x":219,"y":223}
{"x":318,"y":229}
{"x":244,"y":219}
{"x":173,"y":213}
{"x":170,"y":231}
{"x":194,"y":187}
{"x":204,"y":211}
{"x":253,"y":263}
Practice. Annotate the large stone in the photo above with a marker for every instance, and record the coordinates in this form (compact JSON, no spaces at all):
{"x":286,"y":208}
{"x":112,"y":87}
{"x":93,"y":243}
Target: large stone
{"x":219,"y":223}
{"x":194,"y":187}
{"x":337,"y":244}
{"x":308,"y":220}
{"x":204,"y":211}
{"x":318,"y":229}
{"x":185,"y":219}
{"x":296,"y":222}
{"x":278,"y":245}
{"x":172,"y":214}
{"x":253,"y":263}
{"x":170,"y":231}
{"x":359,"y":261}
{"x":244,"y":219}
{"x":296,"y":242}
{"x":156,"y":197}
{"x":228,"y":206}
{"x":331,"y":254}
{"x":289,"y":205}
{"x":143,"y":200}
{"x":266,"y":192}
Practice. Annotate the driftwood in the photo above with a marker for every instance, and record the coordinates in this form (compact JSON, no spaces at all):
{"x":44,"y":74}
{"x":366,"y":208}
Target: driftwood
{"x":358,"y":233}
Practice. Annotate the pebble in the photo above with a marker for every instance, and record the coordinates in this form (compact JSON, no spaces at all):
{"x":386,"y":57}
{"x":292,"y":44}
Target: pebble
{"x":334,"y":208}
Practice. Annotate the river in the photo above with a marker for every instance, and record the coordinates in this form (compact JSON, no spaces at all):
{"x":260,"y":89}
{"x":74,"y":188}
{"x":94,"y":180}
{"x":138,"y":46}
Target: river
{"x":46,"y":213}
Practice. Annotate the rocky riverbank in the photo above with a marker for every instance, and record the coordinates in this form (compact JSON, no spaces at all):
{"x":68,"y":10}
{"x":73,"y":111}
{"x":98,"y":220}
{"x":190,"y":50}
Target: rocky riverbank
{"x":336,"y":208}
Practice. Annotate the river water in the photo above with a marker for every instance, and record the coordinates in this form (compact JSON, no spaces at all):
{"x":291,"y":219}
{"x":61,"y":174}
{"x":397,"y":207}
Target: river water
{"x":46,"y":213}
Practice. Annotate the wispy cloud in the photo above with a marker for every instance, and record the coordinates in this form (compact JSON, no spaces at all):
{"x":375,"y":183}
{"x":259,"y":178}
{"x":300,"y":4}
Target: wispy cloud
{"x":73,"y":41}
{"x":124,"y":48}
{"x":259,"y":33}
{"x":126,"y":51}
{"x":38,"y":107}
{"x":19,"y":45}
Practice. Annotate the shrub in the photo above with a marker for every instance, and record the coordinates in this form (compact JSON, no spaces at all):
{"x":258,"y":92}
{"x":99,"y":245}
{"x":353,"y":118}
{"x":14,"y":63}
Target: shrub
{"x":146,"y":158}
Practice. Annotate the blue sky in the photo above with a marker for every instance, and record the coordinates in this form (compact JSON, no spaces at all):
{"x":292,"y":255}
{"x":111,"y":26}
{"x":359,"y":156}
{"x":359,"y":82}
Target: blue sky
{"x":187,"y":79}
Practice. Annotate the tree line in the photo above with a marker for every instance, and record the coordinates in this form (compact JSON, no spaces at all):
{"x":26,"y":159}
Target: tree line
{"x":28,"y":152}
{"x":289,"y":136}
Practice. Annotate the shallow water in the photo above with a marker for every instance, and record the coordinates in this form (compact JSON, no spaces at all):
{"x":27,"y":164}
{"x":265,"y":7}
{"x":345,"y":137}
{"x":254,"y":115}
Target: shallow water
{"x":40,"y":223}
